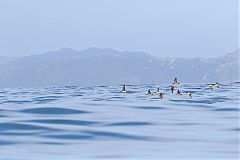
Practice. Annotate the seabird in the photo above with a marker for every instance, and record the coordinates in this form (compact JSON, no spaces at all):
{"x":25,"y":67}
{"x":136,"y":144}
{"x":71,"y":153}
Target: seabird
{"x":161,"y":95}
{"x":175,"y":82}
{"x":149,"y":92}
{"x":172,"y":88}
{"x":124,"y":89}
{"x":178,"y":93}
{"x":211,"y":85}
{"x":158,"y":91}
{"x":190,"y":94}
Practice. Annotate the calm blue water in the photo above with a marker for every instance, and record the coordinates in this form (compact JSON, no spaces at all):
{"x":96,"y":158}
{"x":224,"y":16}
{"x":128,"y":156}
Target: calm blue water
{"x":101,"y":123}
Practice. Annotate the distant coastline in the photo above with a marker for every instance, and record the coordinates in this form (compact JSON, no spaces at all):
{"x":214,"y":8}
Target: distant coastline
{"x":94,"y":66}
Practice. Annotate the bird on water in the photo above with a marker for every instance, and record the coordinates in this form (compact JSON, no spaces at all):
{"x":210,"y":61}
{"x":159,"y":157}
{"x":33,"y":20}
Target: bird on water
{"x":149,"y":92}
{"x":124,"y":89}
{"x":178,"y":93}
{"x":189,"y":94}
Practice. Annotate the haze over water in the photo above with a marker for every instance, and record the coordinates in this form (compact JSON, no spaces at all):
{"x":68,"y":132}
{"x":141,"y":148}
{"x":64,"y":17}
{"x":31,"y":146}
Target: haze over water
{"x":75,"y":122}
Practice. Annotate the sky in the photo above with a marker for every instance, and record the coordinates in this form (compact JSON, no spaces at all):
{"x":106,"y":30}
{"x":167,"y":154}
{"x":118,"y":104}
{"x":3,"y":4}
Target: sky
{"x":166,"y":28}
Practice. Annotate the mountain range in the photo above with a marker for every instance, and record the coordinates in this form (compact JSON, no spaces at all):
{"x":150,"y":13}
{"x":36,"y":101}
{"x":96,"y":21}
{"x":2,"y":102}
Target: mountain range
{"x":94,"y":66}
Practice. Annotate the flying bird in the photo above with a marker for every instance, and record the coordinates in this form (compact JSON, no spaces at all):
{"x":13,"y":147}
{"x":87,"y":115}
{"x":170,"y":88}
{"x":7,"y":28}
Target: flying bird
{"x":175,"y":82}
{"x":212,"y":85}
{"x":158,"y":91}
{"x":172,"y":88}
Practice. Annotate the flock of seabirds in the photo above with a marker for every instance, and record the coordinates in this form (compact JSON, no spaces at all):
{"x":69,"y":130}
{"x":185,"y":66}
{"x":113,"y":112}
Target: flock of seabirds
{"x":173,"y":86}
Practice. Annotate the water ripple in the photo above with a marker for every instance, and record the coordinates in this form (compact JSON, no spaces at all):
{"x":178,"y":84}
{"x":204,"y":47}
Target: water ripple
{"x":130,"y":124}
{"x":151,"y":108}
{"x":71,"y":137}
{"x":2,"y":142}
{"x":53,"y":110}
{"x":226,"y":109}
{"x":19,"y":126}
{"x":65,"y":121}
{"x":105,"y":134}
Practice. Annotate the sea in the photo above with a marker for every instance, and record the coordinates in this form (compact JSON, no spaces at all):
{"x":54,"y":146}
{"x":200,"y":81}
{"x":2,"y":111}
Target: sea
{"x":100,"y":122}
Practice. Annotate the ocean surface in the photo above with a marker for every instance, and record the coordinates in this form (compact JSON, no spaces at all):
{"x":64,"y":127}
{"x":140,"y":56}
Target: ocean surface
{"x":73,"y":122}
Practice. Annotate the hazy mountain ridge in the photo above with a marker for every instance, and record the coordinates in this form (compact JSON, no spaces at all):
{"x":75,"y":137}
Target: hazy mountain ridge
{"x":95,"y":66}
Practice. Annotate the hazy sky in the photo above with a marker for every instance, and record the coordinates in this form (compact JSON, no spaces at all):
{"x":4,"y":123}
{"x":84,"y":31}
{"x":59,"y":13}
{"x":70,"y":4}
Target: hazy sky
{"x":173,"y":28}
